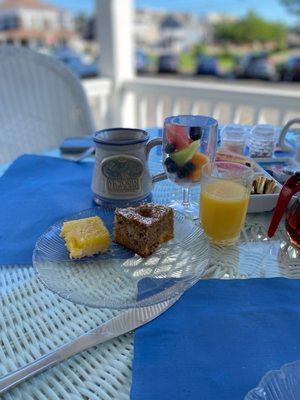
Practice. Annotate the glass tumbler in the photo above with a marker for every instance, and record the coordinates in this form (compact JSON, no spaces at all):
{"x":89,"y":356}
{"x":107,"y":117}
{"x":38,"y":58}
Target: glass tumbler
{"x":224,"y":198}
{"x":261,"y":141}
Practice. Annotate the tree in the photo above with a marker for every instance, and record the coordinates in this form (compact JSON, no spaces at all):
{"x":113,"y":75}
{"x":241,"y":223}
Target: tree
{"x":81,"y":22}
{"x":199,"y":49}
{"x":249,"y":29}
{"x":293,"y":6}
{"x":85,"y":26}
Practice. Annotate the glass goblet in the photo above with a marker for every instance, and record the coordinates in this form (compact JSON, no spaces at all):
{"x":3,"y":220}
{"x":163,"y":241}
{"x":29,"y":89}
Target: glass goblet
{"x":189,"y":142}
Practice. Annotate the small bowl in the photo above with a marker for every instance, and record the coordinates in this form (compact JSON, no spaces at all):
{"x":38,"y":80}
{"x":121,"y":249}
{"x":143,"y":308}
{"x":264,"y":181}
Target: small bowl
{"x":259,"y":203}
{"x":263,"y":202}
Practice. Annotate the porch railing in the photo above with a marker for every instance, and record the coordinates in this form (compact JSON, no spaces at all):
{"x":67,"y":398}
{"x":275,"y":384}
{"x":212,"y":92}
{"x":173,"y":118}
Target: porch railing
{"x":151,"y":99}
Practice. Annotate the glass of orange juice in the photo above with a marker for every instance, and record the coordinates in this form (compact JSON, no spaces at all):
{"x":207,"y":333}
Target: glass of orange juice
{"x":224,"y":198}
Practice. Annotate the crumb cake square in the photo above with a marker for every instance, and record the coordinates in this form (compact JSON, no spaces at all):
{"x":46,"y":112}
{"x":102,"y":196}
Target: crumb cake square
{"x":143,"y":228}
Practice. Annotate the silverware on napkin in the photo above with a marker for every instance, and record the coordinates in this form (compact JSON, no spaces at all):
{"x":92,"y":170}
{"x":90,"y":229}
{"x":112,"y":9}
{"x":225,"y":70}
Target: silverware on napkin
{"x":88,"y":152}
{"x":119,"y":325}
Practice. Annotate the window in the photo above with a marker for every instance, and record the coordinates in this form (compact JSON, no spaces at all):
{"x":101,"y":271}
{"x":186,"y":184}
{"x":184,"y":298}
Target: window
{"x":9,"y":22}
{"x":46,"y":24}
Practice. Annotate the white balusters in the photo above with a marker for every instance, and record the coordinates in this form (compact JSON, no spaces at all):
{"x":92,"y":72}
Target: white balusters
{"x":103,"y":106}
{"x":256,"y":116}
{"x":174,"y":106}
{"x":157,"y":98}
{"x":280,"y":118}
{"x":141,"y":111}
{"x":193,"y":107}
{"x":213,"y":109}
{"x":237,"y":115}
{"x":158,"y":111}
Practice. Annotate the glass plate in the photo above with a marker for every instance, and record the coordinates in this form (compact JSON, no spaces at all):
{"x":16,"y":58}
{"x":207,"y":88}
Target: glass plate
{"x":115,"y":279}
{"x":278,"y":385}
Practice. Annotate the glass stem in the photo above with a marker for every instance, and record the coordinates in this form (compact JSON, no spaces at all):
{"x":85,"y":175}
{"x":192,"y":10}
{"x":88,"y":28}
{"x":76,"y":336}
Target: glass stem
{"x":186,"y":197}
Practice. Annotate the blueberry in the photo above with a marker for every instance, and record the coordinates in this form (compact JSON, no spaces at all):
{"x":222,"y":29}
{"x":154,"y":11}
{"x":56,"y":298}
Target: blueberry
{"x":195,"y":133}
{"x":168,"y":161}
{"x":189,"y":166}
{"x":171,"y":166}
{"x":170,"y":148}
{"x":184,"y":171}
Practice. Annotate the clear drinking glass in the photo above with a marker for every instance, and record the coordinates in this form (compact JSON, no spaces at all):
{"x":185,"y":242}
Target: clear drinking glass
{"x":189,"y":142}
{"x":224,"y":198}
{"x":233,"y":137}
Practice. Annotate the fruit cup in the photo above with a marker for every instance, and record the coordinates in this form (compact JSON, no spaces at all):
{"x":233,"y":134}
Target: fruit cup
{"x":189,"y":142}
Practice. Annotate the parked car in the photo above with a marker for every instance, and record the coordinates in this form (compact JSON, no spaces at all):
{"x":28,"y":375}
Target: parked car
{"x":207,"y":65}
{"x":142,"y":62}
{"x":76,"y":64}
{"x":290,"y":70}
{"x":256,"y":66}
{"x":168,"y":64}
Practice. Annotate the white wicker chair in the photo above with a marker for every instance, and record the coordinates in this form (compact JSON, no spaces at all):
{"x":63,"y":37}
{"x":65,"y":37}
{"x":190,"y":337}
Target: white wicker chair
{"x":42,"y":102}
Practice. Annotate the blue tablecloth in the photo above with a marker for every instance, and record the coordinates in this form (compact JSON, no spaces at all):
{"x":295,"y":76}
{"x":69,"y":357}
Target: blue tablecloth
{"x":35,"y":192}
{"x":218,"y":340}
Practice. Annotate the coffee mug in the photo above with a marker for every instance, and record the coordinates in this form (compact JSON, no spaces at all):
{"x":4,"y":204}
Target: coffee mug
{"x":121,"y":173}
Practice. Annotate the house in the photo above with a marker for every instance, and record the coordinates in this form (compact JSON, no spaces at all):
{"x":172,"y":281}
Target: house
{"x":146,"y":28}
{"x":159,"y":31}
{"x":172,"y":33}
{"x":34,"y":23}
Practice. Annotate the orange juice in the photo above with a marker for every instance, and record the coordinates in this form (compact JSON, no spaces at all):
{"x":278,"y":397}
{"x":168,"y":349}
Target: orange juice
{"x":223,"y":209}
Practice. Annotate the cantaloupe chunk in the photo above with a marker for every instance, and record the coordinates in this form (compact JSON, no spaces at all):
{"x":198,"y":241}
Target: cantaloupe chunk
{"x":198,"y":159}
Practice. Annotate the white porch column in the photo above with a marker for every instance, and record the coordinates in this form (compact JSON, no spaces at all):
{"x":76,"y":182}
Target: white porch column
{"x":115,"y":33}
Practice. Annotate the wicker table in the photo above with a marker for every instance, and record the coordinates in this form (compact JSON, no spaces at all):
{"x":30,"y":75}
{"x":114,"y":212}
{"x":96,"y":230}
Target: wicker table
{"x":34,"y":321}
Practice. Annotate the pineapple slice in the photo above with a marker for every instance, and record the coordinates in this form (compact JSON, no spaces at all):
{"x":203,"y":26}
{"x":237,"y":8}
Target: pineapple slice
{"x":85,"y":237}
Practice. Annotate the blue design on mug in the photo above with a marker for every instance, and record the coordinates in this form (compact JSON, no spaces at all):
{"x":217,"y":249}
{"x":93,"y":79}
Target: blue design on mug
{"x":122,"y":174}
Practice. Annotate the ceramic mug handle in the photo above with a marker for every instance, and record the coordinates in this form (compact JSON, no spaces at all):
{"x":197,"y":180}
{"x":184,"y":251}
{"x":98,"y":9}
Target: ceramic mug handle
{"x":153,"y":143}
{"x":284,"y":131}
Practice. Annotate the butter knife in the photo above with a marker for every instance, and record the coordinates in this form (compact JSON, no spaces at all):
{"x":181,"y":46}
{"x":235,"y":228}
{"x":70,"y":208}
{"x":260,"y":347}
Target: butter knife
{"x":88,"y":152}
{"x":119,"y":325}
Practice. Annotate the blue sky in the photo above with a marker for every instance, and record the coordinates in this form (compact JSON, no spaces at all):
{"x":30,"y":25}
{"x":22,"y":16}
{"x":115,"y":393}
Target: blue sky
{"x":270,"y":9}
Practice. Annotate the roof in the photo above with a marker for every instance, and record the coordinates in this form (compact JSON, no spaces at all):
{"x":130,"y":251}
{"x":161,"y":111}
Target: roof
{"x":35,"y":4}
{"x":25,"y":34}
{"x":170,"y":22}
